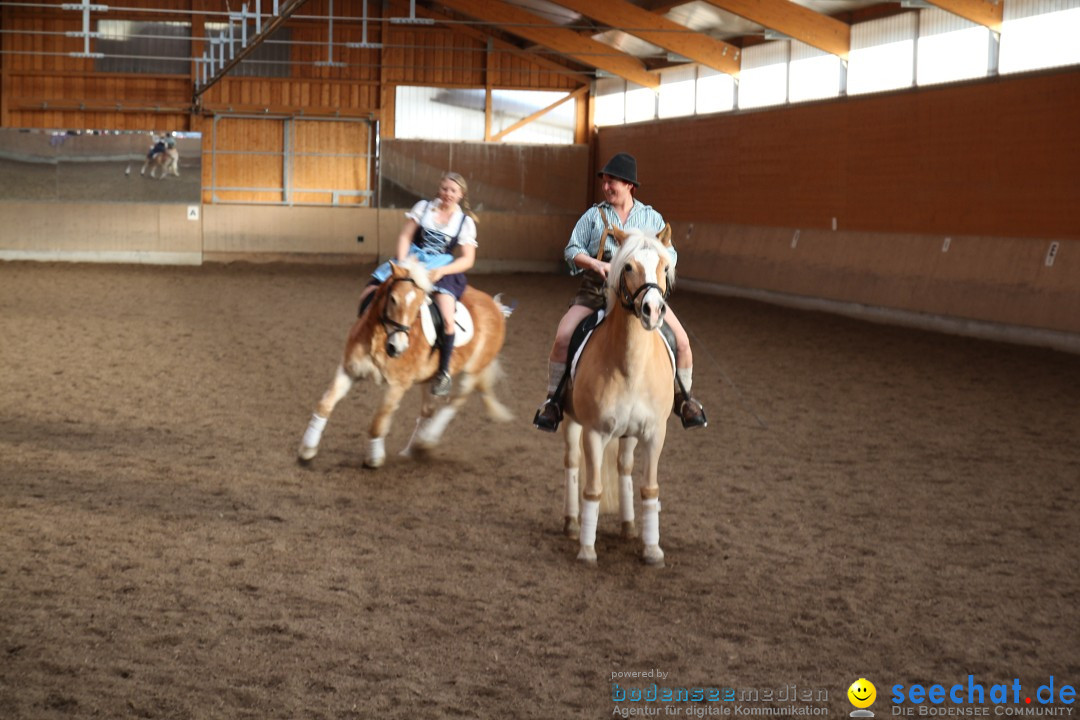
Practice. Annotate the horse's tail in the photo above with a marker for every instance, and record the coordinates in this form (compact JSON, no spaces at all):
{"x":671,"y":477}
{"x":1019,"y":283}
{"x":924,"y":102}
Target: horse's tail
{"x":506,"y":310}
{"x":485,"y":381}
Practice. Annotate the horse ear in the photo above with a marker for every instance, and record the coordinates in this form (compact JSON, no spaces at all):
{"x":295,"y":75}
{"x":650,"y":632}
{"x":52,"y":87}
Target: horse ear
{"x":399,"y":270}
{"x":665,"y":235}
{"x":619,"y":235}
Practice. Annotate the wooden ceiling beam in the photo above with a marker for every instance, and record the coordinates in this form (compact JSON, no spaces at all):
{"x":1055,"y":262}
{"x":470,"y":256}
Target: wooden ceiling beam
{"x":982,"y":12}
{"x":795,"y":21}
{"x":660,"y":31}
{"x":499,"y":43}
{"x":536,"y":29}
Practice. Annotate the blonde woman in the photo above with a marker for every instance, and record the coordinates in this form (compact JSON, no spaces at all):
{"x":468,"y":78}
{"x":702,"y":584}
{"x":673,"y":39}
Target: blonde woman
{"x":433,"y":231}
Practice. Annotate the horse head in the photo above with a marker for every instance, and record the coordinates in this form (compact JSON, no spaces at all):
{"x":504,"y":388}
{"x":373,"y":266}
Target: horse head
{"x":405,"y":292}
{"x":641,"y":274}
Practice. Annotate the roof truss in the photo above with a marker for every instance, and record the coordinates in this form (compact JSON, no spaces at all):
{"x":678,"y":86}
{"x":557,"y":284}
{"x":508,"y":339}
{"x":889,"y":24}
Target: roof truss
{"x":796,"y":21}
{"x":660,"y":31}
{"x":566,"y":42}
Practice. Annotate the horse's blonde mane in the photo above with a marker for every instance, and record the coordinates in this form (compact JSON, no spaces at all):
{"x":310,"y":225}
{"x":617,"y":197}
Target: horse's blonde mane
{"x":636,"y":240}
{"x":418,"y":274}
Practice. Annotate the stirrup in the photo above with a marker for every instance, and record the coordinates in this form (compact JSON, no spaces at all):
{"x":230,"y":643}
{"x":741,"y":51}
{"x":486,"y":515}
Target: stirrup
{"x":440,"y":384}
{"x":690,"y":412}
{"x":548,"y":416}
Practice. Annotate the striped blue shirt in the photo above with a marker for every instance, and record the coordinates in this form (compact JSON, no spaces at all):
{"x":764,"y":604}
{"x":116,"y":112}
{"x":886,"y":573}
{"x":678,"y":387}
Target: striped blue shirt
{"x":590,"y":227}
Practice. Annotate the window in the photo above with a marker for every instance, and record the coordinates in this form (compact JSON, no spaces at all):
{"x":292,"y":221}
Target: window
{"x":950,"y":48}
{"x":1039,"y":34}
{"x":610,"y":102}
{"x":813,"y":74}
{"x":677,"y":91}
{"x":640,"y":103}
{"x":715,"y":91}
{"x":763,"y":80}
{"x":883,"y":54}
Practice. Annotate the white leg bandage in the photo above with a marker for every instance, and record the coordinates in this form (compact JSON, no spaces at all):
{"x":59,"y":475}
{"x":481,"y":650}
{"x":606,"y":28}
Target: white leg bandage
{"x":650,"y":522}
{"x":686,"y":377}
{"x":626,"y":498}
{"x":376,"y":451}
{"x":555,"y":373}
{"x":433,"y":430}
{"x":572,"y":493}
{"x":590,"y":511}
{"x":314,"y":431}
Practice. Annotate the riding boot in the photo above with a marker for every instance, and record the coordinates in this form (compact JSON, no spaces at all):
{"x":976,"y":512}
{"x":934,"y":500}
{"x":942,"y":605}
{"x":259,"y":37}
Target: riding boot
{"x":690,"y":411}
{"x":440,"y":385}
{"x":549,"y":414}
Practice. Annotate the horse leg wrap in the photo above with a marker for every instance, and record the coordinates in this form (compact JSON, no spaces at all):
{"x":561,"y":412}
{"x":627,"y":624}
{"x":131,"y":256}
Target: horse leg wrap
{"x":590,"y":512}
{"x":650,"y":522}
{"x":376,"y":452}
{"x":626,"y":497}
{"x":432,"y":431}
{"x":314,"y":431}
{"x":572,"y":509}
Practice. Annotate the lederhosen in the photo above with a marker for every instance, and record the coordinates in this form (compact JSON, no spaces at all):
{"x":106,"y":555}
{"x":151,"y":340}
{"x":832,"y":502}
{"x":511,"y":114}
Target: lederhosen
{"x":591,"y":292}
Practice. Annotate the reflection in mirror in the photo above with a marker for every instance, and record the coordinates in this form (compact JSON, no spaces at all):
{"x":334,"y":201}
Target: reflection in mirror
{"x":100,"y":166}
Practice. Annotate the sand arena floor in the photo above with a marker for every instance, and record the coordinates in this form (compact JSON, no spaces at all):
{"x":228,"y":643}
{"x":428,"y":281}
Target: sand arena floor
{"x":909,"y":514}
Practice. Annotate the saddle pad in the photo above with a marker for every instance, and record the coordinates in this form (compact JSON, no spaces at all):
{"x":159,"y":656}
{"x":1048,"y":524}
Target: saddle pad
{"x":463,"y":323}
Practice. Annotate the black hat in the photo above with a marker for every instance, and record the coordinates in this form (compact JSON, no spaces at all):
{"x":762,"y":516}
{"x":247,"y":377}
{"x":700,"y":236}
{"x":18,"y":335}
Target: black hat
{"x":622,"y":166}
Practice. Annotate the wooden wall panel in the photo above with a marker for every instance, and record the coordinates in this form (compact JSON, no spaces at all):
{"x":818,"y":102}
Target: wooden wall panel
{"x":994,"y":157}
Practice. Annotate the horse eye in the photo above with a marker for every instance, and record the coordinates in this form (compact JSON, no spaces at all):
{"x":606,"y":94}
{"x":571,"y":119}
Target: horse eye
{"x":628,"y":268}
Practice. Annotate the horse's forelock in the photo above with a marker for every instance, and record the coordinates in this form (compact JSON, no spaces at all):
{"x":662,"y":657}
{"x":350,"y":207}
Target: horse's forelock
{"x":418,"y":274}
{"x":635,"y":241}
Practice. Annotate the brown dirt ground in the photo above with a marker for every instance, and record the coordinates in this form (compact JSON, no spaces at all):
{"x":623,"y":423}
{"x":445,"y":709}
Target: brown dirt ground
{"x":910,"y":513}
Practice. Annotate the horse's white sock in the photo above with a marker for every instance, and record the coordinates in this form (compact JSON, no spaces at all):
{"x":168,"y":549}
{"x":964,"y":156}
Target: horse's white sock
{"x":572,"y":493}
{"x":590,"y":511}
{"x":555,"y":373}
{"x":686,"y":377}
{"x":626,"y":497}
{"x":650,"y":522}
{"x":314,"y":431}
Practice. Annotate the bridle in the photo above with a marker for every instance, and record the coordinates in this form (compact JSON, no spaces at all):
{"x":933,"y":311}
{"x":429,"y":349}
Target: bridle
{"x":388,"y":322}
{"x":630,"y":301}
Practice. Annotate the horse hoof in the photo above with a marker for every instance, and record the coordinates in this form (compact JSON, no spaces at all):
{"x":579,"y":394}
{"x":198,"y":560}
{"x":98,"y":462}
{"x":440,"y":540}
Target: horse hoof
{"x":572,"y":528}
{"x":653,"y":556}
{"x":587,"y":555}
{"x":629,"y":530}
{"x":374,"y":462}
{"x":306,"y":453}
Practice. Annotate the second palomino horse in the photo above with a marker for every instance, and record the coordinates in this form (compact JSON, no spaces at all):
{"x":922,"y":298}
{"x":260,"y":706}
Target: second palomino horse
{"x":622,"y":389}
{"x":168,"y":161}
{"x":387,"y":343}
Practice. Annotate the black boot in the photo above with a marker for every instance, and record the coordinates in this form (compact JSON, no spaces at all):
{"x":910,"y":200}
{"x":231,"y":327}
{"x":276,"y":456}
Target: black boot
{"x":690,"y":412}
{"x":549,"y":415}
{"x":440,"y":384}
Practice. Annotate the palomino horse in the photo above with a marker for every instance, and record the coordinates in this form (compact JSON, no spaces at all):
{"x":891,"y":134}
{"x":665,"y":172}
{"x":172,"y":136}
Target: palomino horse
{"x":622,"y":389}
{"x":387,"y":343}
{"x":168,"y":160}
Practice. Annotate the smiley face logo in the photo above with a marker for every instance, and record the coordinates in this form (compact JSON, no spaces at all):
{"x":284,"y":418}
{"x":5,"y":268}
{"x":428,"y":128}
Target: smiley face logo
{"x":862,"y":693}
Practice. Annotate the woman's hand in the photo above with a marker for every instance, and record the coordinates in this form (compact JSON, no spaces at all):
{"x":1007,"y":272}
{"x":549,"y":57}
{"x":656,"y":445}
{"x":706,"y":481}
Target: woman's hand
{"x":436,"y":275}
{"x":602,"y":268}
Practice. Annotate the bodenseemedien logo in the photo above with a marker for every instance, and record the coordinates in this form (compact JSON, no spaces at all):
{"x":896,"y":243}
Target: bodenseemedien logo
{"x":862,"y":694}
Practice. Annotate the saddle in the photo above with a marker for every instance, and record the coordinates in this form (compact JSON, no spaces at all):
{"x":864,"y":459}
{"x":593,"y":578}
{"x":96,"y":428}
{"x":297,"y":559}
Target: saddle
{"x":431,"y":322}
{"x":583,"y":332}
